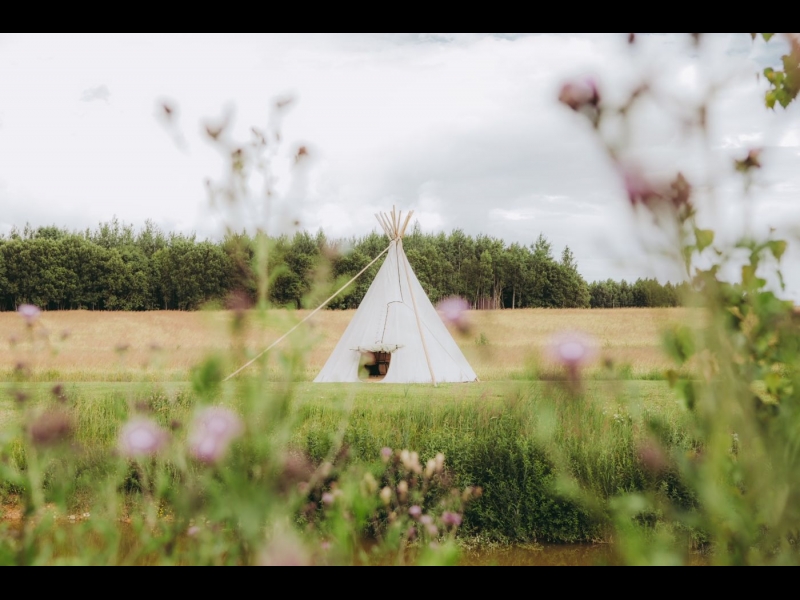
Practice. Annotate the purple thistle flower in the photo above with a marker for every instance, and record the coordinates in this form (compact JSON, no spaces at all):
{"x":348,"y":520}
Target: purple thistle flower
{"x":451,"y":519}
{"x":572,"y":350}
{"x":577,"y":94}
{"x":212,"y":432}
{"x":141,"y":437}
{"x":415,"y":511}
{"x":454,"y":311}
{"x":386,"y":454}
{"x":29,"y":312}
{"x":51,"y":428}
{"x":327,"y":498}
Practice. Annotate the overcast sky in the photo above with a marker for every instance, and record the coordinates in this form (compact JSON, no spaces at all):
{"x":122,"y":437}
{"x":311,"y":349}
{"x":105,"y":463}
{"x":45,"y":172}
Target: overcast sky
{"x":465,"y":130}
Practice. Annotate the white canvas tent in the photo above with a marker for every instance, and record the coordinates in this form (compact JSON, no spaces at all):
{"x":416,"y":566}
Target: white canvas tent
{"x":396,"y":330}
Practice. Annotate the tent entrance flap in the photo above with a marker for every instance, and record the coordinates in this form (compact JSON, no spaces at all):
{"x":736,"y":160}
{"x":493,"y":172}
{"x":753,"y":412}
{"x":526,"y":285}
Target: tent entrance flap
{"x":374,"y":365}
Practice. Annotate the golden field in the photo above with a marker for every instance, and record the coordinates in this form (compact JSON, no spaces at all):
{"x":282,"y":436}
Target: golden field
{"x":165,"y":345}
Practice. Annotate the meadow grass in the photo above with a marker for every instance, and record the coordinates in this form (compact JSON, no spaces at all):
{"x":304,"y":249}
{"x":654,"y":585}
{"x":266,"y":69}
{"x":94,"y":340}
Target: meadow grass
{"x":165,"y":345}
{"x":517,"y":433}
{"x":506,"y":437}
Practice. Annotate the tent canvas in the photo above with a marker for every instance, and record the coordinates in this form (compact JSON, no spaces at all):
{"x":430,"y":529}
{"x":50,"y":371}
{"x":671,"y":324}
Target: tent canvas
{"x":396,"y":316}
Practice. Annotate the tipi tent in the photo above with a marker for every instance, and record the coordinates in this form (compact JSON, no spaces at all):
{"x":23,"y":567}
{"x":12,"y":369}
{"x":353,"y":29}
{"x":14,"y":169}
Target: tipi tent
{"x":396,"y":335}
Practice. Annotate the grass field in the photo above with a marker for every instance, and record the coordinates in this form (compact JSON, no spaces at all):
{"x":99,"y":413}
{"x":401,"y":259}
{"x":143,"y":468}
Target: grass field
{"x":164,"y":345}
{"x":495,"y":433}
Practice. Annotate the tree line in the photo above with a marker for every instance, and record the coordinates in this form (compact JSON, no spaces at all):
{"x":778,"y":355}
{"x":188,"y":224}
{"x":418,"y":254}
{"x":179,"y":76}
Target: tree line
{"x":117,"y":267}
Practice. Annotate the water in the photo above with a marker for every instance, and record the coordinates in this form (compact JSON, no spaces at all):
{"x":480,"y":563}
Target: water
{"x":549,"y":555}
{"x":544,"y":555}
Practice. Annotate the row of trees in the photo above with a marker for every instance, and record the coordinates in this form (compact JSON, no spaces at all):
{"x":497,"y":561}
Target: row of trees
{"x":116,"y":267}
{"x":644,"y":292}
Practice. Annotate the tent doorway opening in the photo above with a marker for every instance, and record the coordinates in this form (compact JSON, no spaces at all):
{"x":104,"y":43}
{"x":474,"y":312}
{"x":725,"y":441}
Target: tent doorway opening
{"x":376,"y":364}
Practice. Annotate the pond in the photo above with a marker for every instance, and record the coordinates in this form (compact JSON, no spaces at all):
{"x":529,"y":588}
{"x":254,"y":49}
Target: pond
{"x":544,"y":555}
{"x":548,"y":555}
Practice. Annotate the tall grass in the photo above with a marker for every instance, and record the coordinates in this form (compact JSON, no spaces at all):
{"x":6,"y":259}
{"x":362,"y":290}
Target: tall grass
{"x":502,"y":437}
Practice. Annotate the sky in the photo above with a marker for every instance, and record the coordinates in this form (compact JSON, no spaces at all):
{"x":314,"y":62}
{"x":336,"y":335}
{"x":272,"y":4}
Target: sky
{"x":464,"y":129}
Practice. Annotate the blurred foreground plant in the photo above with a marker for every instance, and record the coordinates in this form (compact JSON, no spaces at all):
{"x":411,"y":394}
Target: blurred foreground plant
{"x":210,"y":478}
{"x":743,"y":395}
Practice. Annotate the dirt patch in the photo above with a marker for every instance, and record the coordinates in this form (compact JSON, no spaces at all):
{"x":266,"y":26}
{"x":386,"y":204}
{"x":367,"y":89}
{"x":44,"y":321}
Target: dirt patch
{"x":10,"y":512}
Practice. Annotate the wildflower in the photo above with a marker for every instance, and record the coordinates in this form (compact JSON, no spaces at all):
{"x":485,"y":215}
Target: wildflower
{"x":582,"y":96}
{"x":576,"y":94}
{"x":327,"y":498}
{"x":427,"y":522}
{"x":430,"y":468}
{"x":369,"y":484}
{"x":297,"y":468}
{"x":651,"y":456}
{"x":439,"y":458}
{"x":402,"y":490}
{"x":674,"y":195}
{"x":141,"y":437}
{"x":386,"y":495}
{"x":193,"y":531}
{"x":29,"y":312}
{"x":410,"y":461}
{"x":59,"y":392}
{"x":572,"y":350}
{"x":51,"y":427}
{"x":415,"y":511}
{"x":751,"y":161}
{"x":212,"y":432}
{"x":466,"y":495}
{"x":638,"y":188}
{"x":386,"y":454}
{"x":451,"y":519}
{"x":454,"y":311}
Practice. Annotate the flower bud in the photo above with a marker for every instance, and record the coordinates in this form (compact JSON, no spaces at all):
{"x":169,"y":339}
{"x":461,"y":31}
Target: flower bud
{"x":141,"y":437}
{"x":402,"y":490}
{"x":451,"y":519}
{"x":430,"y":468}
{"x":439,"y":463}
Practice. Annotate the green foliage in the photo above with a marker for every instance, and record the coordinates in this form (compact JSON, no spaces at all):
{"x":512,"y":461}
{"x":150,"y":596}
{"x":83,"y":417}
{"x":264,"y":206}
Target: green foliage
{"x":737,"y":479}
{"x":785,"y":83}
{"x":118,"y":268}
{"x":644,"y":293}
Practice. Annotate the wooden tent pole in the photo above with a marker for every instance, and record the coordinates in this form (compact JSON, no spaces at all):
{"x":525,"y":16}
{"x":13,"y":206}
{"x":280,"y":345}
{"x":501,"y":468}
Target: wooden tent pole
{"x":408,"y":218}
{"x":383,"y":225}
{"x":388,"y":226}
{"x":416,"y":314}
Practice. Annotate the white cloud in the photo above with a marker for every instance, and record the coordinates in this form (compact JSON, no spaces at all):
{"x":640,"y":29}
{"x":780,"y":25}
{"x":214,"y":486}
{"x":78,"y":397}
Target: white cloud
{"x":96,"y":93}
{"x":464,"y":129}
